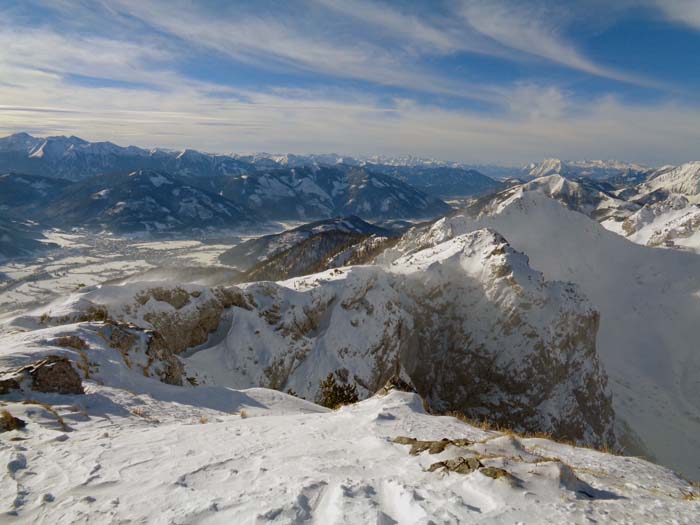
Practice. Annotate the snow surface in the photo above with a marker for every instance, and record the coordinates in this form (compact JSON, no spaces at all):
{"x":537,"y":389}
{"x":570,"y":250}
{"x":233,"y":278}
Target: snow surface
{"x":156,"y":457}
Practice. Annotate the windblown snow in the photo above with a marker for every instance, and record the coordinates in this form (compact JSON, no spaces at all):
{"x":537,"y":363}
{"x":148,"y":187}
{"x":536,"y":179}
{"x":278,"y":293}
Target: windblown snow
{"x":251,"y":456}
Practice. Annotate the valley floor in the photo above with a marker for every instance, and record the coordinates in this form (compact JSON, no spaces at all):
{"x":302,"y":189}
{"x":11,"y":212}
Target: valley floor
{"x":85,"y":259}
{"x":265,"y":457}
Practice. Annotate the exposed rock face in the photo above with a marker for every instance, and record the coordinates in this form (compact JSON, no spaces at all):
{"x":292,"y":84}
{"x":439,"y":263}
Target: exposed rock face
{"x":465,"y":319}
{"x":8,"y":384}
{"x":53,"y":374}
{"x":188,"y":327}
{"x":479,"y":291}
{"x":145,"y":349}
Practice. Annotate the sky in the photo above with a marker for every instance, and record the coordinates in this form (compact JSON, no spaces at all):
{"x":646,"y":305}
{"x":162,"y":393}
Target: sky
{"x":478,"y":81}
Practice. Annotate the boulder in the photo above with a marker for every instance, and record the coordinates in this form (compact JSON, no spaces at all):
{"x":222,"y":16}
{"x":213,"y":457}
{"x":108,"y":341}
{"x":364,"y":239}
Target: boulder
{"x":54,"y":374}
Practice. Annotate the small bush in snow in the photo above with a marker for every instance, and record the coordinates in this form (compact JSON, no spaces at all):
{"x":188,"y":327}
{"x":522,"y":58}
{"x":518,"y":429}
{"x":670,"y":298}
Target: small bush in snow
{"x":333,"y":394}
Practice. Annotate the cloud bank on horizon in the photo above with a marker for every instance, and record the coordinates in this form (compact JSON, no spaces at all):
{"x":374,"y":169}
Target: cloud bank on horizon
{"x":492,"y":81}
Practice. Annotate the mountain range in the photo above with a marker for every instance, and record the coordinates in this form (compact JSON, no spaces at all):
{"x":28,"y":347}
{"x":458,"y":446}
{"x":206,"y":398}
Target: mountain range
{"x":544,"y":304}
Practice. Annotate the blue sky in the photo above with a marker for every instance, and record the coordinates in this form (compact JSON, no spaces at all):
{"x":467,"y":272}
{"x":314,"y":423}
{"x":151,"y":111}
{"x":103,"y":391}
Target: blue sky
{"x":482,"y":81}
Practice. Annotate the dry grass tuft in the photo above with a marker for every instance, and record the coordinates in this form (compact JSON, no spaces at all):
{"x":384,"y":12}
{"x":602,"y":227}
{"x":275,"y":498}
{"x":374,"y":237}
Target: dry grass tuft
{"x":9,"y":422}
{"x":493,"y":427}
{"x":59,"y":419}
{"x":140,"y":412}
{"x":71,"y":341}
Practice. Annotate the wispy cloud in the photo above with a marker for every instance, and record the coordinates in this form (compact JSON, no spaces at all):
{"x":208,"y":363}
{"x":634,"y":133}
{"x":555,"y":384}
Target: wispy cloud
{"x":297,"y":43}
{"x":534,"y":29}
{"x":684,"y":11}
{"x":439,"y":35}
{"x":112,"y":71}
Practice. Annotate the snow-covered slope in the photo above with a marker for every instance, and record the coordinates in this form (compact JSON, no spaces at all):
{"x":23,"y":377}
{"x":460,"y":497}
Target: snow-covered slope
{"x":143,"y":459}
{"x":253,"y":251}
{"x":142,"y":201}
{"x":132,"y":449}
{"x":683,"y":180}
{"x":591,"y":198}
{"x":649,"y":308}
{"x":672,"y":222}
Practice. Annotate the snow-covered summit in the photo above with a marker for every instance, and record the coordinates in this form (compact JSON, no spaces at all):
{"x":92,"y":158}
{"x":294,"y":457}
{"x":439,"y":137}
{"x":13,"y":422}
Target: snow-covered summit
{"x":684,"y":180}
{"x":647,"y":349}
{"x":595,"y":169}
{"x":591,"y":198}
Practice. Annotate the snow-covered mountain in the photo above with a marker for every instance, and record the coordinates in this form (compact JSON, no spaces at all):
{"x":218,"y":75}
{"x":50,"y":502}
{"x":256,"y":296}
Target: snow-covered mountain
{"x":683,"y":180}
{"x":142,"y":201}
{"x":594,"y":169}
{"x":157,"y":201}
{"x":468,"y":322}
{"x":76,"y":159}
{"x":648,"y":304}
{"x":670,"y":209}
{"x":311,"y":193}
{"x":592,"y":198}
{"x":142,"y":400}
{"x":672,"y":222}
{"x":253,"y":251}
{"x":19,"y":239}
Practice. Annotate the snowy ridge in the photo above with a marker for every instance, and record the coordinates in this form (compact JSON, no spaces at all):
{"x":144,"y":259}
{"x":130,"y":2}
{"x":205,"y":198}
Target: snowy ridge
{"x":367,"y":323}
{"x":648,"y":304}
{"x":258,"y":469}
{"x":684,"y":180}
{"x":584,"y":196}
{"x":253,"y":251}
{"x":595,"y":169}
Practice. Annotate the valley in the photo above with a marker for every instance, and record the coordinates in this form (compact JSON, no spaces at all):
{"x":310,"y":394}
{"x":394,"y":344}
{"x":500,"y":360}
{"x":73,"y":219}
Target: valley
{"x":78,"y":259}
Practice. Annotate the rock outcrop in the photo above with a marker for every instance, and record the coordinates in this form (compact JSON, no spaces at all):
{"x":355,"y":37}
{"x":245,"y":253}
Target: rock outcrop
{"x":52,"y":374}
